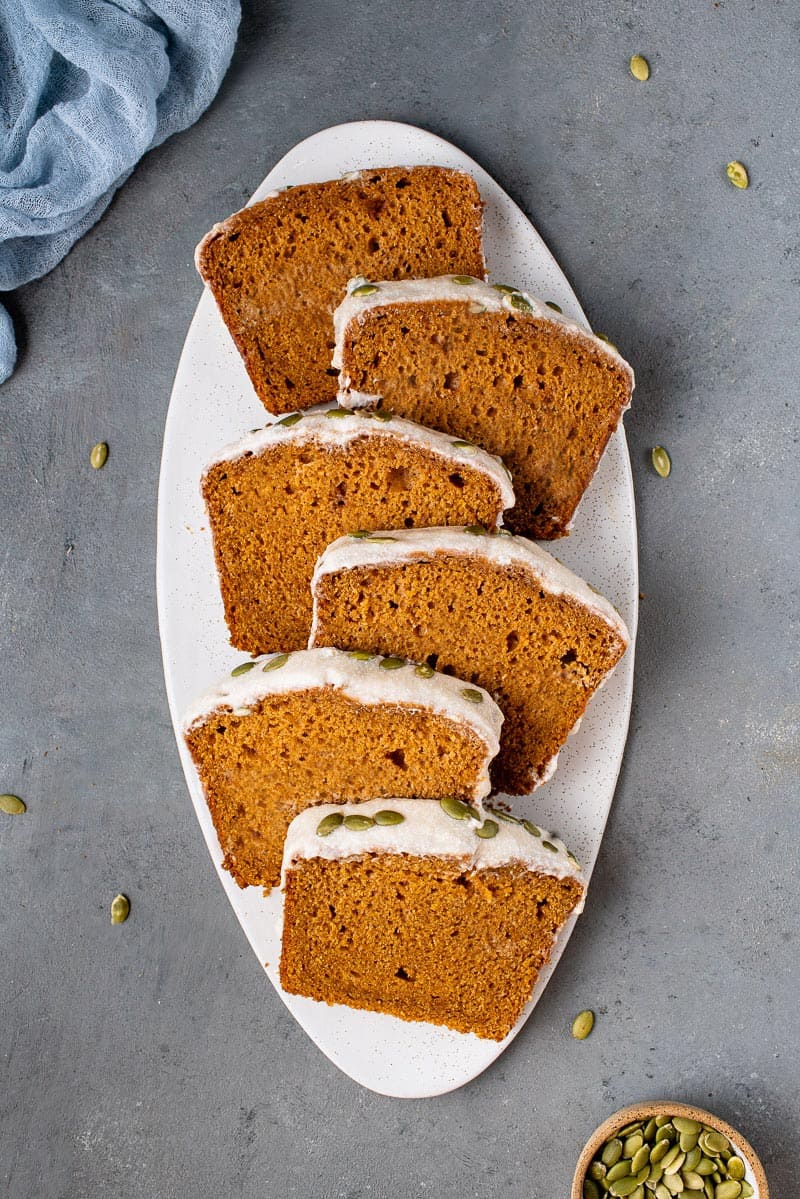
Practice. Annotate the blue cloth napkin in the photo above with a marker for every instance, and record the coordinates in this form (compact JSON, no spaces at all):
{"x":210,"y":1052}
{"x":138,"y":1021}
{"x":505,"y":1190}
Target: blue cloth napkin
{"x":86,"y":88}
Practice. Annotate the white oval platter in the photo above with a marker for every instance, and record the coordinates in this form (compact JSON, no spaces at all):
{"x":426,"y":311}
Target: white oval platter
{"x":212,"y":404}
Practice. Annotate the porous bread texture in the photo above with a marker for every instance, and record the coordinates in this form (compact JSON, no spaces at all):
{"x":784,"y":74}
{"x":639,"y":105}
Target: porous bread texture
{"x":422,"y":938}
{"x":290,"y":751}
{"x":272,"y":513}
{"x":538,"y":392}
{"x":279,"y":268}
{"x":540,"y":655}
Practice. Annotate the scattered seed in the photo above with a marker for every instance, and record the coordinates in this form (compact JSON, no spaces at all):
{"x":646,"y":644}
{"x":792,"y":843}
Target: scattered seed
{"x":358,"y":824}
{"x":291,"y":419}
{"x":99,"y":455}
{"x":506,"y":817}
{"x":549,"y":845}
{"x":534,"y":832}
{"x":328,"y":823}
{"x":639,"y":68}
{"x":361,"y":655}
{"x":242,"y":668}
{"x":504,"y":288}
{"x":463,"y":280}
{"x":475,"y":530}
{"x":737,"y":173}
{"x":424,"y":671}
{"x":391,"y":663}
{"x":607,"y":340}
{"x":662,"y":463}
{"x":359,"y":534}
{"x":364,"y":289}
{"x":120,"y":909}
{"x":335,"y":413}
{"x":489,"y":828}
{"x":472,"y":695}
{"x":466,"y":446}
{"x":556,"y":307}
{"x":276,"y":662}
{"x":582,"y":1025}
{"x":456,"y":808}
{"x":518,"y":301}
{"x":378,"y":540}
{"x":382,"y":414}
{"x":12,"y":804}
{"x":387,"y":816}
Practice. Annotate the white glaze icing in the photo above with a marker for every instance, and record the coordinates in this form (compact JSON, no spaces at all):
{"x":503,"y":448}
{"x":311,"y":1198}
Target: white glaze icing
{"x":426,"y":831}
{"x":442,"y":289}
{"x":341,"y":430}
{"x":504,"y":549}
{"x":367,"y":683}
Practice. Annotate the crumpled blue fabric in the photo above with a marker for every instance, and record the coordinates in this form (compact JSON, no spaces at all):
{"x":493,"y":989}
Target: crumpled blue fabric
{"x":86,"y":88}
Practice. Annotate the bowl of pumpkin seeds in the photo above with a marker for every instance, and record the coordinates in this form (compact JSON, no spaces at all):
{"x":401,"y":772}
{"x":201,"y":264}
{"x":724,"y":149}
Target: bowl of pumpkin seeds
{"x":659,"y":1150}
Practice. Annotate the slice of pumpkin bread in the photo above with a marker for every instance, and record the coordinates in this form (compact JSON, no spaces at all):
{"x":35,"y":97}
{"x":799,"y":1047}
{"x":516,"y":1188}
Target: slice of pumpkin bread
{"x":278,"y":269}
{"x":320,"y":726}
{"x":494,"y":366}
{"x":281,"y":494}
{"x":395,"y":906}
{"x":491,"y":608}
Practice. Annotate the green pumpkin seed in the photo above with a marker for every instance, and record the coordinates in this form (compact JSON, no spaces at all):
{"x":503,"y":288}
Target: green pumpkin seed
{"x":242,"y":668}
{"x":708,"y":1188}
{"x":472,"y":695}
{"x":736,"y":1169}
{"x":506,"y":817}
{"x":684,"y":1124}
{"x":328,"y":823}
{"x":531,"y":828}
{"x":574,"y":860}
{"x":737,"y":173}
{"x":556,"y":307}
{"x":456,"y":808}
{"x":378,"y":540}
{"x":662,"y":1192}
{"x":596,"y":1170}
{"x":336,"y":413}
{"x":655,"y":1175}
{"x":620,"y":1169}
{"x":662,"y":464}
{"x":692,"y":1158}
{"x":99,"y":455}
{"x":582,"y":1025}
{"x":713,"y":1141}
{"x":466,"y":446}
{"x":291,"y":419}
{"x":674,"y":1184}
{"x":590,"y":1189}
{"x":120,"y":909}
{"x":612,"y":1152}
{"x":661,"y":1121}
{"x":631,"y":1147}
{"x":424,"y":670}
{"x":383,"y":414}
{"x":665,"y":1133}
{"x":687,"y":1141}
{"x":639,"y":68}
{"x":388,"y":817}
{"x":549,"y":845}
{"x":747,"y":1190}
{"x":519,"y":302}
{"x":691,"y":1181}
{"x":361,"y":655}
{"x":640,"y":1158}
{"x":475,"y":530}
{"x":276,"y":663}
{"x":638,"y":1193}
{"x":504,"y":288}
{"x":359,"y":534}
{"x":463,"y":280}
{"x":641,"y":1175}
{"x":670,"y":1156}
{"x":728,"y":1190}
{"x":660,"y":1149}
{"x":673,"y":1166}
{"x":12,"y":804}
{"x":607,"y":340}
{"x":358,"y":824}
{"x":623,"y":1186}
{"x":391,"y":663}
{"x":705,"y":1166}
{"x":489,"y":828}
{"x":364,"y":289}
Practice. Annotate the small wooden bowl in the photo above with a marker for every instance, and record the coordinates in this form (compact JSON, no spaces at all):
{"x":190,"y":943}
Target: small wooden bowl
{"x":644,"y":1111}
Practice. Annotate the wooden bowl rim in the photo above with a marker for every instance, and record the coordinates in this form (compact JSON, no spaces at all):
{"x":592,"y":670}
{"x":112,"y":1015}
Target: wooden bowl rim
{"x":661,"y":1107}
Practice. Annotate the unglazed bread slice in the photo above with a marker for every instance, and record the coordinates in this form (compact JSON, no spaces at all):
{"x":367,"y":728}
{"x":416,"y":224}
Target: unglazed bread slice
{"x":428,"y":918}
{"x":278,"y":269}
{"x":492,"y":608}
{"x":494,"y":366}
{"x":288,"y":731}
{"x":281,"y":494}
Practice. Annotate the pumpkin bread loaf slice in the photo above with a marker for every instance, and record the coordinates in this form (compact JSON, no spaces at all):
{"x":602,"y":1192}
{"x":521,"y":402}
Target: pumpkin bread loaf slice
{"x":320,"y":726}
{"x":281,"y":494}
{"x":494,"y":366}
{"x":494,"y":609}
{"x":278,"y":269}
{"x":394,"y":906}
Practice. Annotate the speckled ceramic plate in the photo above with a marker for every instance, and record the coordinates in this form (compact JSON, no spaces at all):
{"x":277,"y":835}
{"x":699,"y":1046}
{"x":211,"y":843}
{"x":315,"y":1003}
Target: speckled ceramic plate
{"x":212,"y":404}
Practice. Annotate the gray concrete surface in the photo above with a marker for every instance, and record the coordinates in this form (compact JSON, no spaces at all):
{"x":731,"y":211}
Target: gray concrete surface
{"x":153,"y":1060}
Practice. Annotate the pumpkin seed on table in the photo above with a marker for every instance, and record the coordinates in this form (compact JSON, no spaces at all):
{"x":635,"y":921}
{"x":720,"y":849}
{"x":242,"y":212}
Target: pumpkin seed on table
{"x":391,"y":663}
{"x":120,"y":909}
{"x":737,"y":173}
{"x":12,"y":805}
{"x":639,"y":67}
{"x":99,"y":455}
{"x":582,"y":1025}
{"x":662,"y":463}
